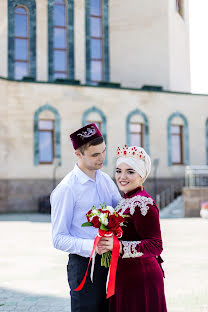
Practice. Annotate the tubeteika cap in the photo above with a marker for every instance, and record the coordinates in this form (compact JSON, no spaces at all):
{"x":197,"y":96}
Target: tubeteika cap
{"x":84,"y":135}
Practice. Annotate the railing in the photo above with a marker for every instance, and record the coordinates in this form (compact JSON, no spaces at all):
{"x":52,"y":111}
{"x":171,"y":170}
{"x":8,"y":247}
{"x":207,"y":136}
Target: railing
{"x":196,"y":176}
{"x":169,"y":194}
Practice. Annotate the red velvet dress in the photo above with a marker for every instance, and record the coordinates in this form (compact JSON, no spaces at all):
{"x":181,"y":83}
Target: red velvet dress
{"x":139,"y":278}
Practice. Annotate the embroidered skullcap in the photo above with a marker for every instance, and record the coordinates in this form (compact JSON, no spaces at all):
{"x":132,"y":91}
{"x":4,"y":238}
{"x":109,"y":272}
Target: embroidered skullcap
{"x":137,"y":159}
{"x":84,"y":135}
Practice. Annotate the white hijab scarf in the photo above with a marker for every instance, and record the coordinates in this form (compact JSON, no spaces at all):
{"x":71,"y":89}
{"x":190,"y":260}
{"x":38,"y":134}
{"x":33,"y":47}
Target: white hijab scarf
{"x":142,"y":166}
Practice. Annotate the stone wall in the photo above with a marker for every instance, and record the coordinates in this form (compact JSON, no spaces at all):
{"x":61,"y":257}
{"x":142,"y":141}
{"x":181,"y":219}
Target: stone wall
{"x":21,"y":195}
{"x":193,"y":197}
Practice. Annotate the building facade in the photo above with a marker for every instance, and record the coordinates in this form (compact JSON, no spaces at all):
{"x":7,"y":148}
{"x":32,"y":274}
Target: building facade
{"x":64,"y":63}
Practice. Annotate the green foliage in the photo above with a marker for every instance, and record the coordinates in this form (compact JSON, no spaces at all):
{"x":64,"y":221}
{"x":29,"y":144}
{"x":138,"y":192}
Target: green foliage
{"x":87,"y":224}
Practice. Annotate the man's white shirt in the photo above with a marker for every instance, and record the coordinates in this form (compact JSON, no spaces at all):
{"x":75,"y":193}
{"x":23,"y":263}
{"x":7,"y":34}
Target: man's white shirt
{"x":70,"y":201}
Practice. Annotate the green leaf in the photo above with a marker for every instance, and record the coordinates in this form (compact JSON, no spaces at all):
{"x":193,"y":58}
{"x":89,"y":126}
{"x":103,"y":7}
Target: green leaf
{"x":87,"y":224}
{"x":103,"y":227}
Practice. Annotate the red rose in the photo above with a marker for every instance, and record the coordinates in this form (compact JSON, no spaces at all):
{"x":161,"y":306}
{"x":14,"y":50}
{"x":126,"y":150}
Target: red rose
{"x":95,"y":221}
{"x":87,"y":215}
{"x":113,"y":222}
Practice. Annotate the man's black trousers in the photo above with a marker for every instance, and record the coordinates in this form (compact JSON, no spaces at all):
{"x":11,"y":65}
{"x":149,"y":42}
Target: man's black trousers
{"x":92,"y":297}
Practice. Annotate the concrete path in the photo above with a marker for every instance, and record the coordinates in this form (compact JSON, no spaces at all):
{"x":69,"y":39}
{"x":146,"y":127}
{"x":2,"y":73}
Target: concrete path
{"x":33,"y":274}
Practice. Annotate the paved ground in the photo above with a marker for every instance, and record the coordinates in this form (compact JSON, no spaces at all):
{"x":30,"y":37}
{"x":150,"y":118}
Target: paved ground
{"x":33,"y":276}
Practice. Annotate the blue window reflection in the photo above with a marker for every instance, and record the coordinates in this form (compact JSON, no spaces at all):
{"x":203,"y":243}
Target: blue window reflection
{"x":20,"y":10}
{"x":59,"y":60}
{"x":95,"y":27}
{"x":96,"y":48}
{"x":21,"y":49}
{"x":20,"y":70}
{"x":60,"y":75}
{"x":96,"y":70}
{"x":45,"y":146}
{"x":95,"y":7}
{"x":59,"y":15}
{"x":59,"y":38}
{"x":21,"y":25}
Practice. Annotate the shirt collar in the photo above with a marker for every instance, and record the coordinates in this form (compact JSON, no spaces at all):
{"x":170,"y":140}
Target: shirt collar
{"x":83,"y":177}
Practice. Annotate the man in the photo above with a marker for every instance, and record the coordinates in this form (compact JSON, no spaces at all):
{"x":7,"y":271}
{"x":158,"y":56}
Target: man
{"x":82,"y":188}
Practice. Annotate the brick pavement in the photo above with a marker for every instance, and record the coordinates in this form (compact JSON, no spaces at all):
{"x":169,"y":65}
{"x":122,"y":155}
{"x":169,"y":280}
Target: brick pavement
{"x":33,"y":276}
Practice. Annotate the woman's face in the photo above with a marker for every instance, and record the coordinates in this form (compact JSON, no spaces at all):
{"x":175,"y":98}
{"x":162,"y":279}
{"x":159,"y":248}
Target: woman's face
{"x":127,"y":178}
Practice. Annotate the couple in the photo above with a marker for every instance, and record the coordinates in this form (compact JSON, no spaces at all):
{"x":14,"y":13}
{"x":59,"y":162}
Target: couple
{"x":139,"y":278}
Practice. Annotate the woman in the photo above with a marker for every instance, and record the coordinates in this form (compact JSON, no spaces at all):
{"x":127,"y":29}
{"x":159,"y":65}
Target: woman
{"x":139,"y":279}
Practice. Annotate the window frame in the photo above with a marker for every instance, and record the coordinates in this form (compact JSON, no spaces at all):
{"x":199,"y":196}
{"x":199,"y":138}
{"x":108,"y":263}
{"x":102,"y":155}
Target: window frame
{"x":141,"y":133}
{"x":66,"y":72}
{"x":181,"y":135}
{"x":53,"y":141}
{"x":102,"y":43}
{"x":22,"y":38}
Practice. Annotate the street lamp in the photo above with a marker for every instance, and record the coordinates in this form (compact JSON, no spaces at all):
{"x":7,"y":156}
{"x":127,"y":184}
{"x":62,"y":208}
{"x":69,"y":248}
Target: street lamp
{"x":155,"y":165}
{"x":57,"y":163}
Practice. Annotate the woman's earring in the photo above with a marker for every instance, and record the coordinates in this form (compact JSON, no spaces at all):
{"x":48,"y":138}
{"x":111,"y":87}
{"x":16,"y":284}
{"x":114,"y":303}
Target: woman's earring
{"x":142,"y":188}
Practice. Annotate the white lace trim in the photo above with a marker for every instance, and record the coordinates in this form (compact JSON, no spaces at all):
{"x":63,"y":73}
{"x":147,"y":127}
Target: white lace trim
{"x":141,"y":201}
{"x":129,"y":249}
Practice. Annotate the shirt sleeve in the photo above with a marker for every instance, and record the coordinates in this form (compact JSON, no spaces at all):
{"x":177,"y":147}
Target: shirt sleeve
{"x":62,"y":206}
{"x":116,"y":196}
{"x":148,"y":228}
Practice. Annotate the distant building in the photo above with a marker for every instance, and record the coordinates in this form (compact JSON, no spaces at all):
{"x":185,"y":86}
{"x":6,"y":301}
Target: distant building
{"x":125,"y":67}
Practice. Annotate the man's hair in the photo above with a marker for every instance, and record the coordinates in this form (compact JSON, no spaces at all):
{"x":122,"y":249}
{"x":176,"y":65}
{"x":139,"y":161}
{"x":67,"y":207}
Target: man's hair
{"x":94,"y":142}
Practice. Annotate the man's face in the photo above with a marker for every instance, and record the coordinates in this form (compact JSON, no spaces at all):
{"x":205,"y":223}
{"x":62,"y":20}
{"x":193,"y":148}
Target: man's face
{"x":93,"y":157}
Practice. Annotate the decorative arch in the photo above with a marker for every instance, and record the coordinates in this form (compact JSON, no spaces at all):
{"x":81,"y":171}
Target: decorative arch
{"x":207,"y":140}
{"x":146,"y":128}
{"x":30,"y":5}
{"x":185,"y":138}
{"x":104,"y":123}
{"x":57,"y":132}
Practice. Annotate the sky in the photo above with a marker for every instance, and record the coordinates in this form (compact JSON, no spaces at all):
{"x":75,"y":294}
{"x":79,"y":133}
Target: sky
{"x":198,"y":18}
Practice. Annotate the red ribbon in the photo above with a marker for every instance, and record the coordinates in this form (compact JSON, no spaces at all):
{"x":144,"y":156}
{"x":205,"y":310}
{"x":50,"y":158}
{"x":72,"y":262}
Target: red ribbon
{"x":113,"y":264}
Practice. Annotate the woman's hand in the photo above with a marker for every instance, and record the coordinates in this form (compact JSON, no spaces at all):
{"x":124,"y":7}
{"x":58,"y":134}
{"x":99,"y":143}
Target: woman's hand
{"x":105,"y":244}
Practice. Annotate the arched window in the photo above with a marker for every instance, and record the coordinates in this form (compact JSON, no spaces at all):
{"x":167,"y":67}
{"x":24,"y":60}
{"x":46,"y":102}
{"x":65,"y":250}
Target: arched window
{"x":46,"y":135}
{"x":21,"y":42}
{"x":46,"y":129}
{"x":60,"y":39}
{"x":21,"y":38}
{"x":178,"y":145}
{"x":97,"y":50}
{"x":137,"y":129}
{"x":95,"y":115}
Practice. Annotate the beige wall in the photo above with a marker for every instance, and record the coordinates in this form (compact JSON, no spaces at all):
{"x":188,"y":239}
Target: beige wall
{"x":42,"y":39}
{"x":148,"y":44}
{"x":19,"y":101}
{"x":179,"y":56}
{"x":139,"y":43}
{"x":3,"y":38}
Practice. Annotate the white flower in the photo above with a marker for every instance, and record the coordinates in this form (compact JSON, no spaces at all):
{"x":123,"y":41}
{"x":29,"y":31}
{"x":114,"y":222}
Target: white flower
{"x":110,"y":209}
{"x":96,"y":212}
{"x":103,"y":218}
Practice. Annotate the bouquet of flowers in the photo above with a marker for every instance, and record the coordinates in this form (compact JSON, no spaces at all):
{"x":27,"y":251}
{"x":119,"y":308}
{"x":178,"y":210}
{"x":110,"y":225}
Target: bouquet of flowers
{"x":109,"y":223}
{"x":204,"y":210}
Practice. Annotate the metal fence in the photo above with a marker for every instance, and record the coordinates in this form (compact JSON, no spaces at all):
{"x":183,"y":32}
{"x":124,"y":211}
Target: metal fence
{"x":170,"y":194}
{"x":196,"y":176}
